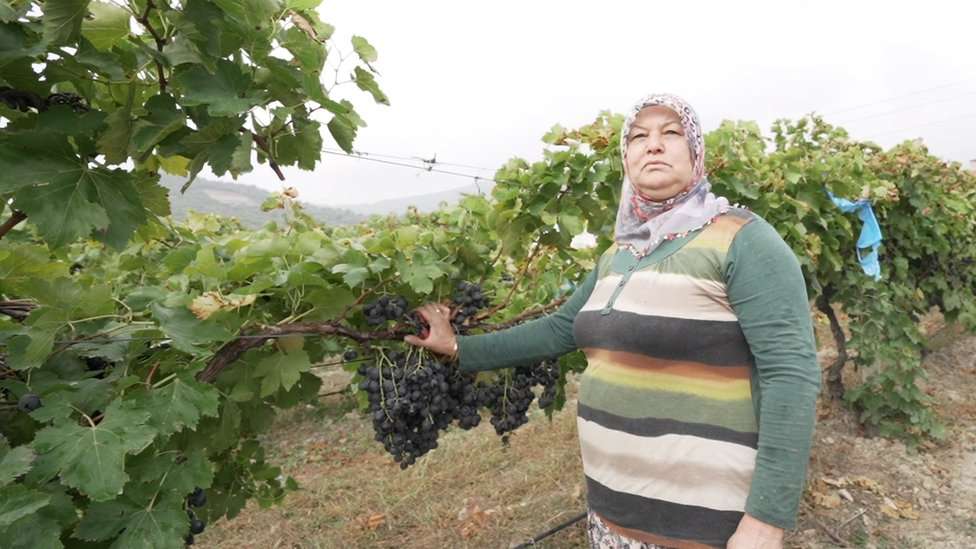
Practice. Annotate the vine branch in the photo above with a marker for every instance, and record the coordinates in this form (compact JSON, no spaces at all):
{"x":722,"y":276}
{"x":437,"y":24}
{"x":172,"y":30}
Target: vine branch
{"x":232,"y":350}
{"x":511,"y":292}
{"x":17,"y":309}
{"x":835,"y":383}
{"x":262,"y":144}
{"x":12,"y":222}
{"x":160,"y":42}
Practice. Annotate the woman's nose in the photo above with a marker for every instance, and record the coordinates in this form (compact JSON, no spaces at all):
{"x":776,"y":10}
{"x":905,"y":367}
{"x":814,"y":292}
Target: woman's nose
{"x":654,"y":143}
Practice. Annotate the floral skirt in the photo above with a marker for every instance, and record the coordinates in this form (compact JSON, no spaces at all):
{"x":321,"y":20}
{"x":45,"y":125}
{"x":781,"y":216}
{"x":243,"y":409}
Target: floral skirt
{"x":601,"y":537}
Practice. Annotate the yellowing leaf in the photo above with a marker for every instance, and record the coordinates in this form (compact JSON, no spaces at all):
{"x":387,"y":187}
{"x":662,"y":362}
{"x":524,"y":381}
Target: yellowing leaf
{"x":210,"y":302}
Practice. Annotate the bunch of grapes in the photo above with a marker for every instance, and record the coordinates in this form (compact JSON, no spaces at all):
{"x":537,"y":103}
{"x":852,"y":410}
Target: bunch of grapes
{"x":412,"y":398}
{"x":509,"y":398}
{"x":197,"y":498}
{"x":98,"y":365}
{"x":468,"y":300}
{"x":385,"y":308}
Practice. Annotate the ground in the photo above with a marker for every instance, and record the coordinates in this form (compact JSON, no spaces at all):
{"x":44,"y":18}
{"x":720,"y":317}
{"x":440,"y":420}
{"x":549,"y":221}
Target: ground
{"x":473,"y":491}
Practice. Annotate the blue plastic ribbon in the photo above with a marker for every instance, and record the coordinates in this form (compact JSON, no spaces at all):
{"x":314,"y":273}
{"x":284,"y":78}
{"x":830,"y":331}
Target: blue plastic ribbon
{"x":870,"y":233}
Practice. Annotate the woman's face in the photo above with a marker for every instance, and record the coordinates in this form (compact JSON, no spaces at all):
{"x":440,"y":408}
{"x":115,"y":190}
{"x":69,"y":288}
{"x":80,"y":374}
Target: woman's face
{"x":657,"y":158}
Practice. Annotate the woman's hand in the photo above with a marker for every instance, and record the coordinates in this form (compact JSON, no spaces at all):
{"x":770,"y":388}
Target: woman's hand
{"x":753,"y":533}
{"x":441,"y":338}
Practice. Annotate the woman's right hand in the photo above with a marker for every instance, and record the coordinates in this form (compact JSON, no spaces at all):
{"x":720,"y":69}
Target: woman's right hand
{"x":441,"y":338}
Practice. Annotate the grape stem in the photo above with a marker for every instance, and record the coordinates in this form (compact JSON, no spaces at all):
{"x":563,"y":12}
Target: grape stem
{"x":537,"y":247}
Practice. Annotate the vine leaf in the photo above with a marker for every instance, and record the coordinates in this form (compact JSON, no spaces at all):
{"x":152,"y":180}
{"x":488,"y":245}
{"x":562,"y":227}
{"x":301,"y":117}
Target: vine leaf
{"x":281,"y":371}
{"x":364,"y":50}
{"x":162,"y":120}
{"x":62,"y":20}
{"x":160,"y":525}
{"x":180,"y":405}
{"x":225,"y":93}
{"x":15,"y":463}
{"x":18,"y":501}
{"x":187,"y":331}
{"x":367,"y":82}
{"x":92,"y":459}
{"x":63,"y":211}
{"x":107,"y":25}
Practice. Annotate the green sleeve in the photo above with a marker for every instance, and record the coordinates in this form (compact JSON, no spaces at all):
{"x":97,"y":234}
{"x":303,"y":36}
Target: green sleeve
{"x":534,"y":341}
{"x":768,"y":294}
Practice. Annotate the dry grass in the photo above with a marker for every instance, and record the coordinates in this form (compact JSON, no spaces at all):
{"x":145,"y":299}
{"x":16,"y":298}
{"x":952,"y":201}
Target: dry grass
{"x":472,"y":491}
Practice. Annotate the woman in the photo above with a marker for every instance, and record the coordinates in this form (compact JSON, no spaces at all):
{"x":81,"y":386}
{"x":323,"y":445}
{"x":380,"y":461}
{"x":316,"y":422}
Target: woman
{"x":696,"y":409}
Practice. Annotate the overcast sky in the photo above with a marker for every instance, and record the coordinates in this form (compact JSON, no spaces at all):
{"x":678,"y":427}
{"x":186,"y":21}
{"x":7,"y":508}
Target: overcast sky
{"x":479,"y":83}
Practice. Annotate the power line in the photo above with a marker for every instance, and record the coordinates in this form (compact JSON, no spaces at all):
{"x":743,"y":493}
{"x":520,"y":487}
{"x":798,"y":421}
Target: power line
{"x":895,"y":98}
{"x":431,"y":161}
{"x":428,"y":168}
{"x":933,"y":123}
{"x":908,"y":108}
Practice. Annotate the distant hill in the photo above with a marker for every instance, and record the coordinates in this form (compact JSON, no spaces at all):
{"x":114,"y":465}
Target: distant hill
{"x":423,"y":202}
{"x":243,"y":202}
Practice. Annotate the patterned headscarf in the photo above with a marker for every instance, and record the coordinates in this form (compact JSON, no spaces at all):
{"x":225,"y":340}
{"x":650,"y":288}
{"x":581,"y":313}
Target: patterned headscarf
{"x":642,"y":224}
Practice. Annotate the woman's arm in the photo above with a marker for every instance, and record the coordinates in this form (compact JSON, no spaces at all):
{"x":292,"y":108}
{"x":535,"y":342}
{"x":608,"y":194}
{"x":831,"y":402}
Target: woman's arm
{"x":767,"y":292}
{"x":547,"y":337}
{"x":534,"y":341}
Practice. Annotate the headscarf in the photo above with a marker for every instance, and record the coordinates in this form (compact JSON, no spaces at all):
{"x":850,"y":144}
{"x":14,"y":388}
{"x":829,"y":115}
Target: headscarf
{"x":642,"y":224}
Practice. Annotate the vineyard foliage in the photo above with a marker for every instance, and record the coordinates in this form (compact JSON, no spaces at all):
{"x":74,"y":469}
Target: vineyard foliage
{"x":142,"y":359}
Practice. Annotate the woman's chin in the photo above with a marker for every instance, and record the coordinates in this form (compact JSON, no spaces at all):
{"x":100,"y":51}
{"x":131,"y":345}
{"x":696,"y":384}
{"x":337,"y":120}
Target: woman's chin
{"x":658,"y":193}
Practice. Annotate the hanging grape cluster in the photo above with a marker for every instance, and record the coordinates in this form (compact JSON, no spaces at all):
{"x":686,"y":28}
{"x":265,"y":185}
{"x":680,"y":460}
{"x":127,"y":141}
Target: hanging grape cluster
{"x":509,"y":398}
{"x":468,"y":300}
{"x":384,"y":309}
{"x":412,"y":398}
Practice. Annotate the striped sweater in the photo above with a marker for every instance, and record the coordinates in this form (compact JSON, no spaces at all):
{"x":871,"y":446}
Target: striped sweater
{"x":697,"y":402}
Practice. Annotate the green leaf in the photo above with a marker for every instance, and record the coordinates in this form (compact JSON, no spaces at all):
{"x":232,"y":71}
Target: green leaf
{"x":163,"y":119}
{"x":180,"y":405}
{"x":18,"y":501}
{"x":240,"y":159}
{"x":11,"y":12}
{"x":570,"y":223}
{"x":92,"y":459}
{"x":15,"y":463}
{"x":303,"y":4}
{"x":225,"y":93}
{"x":420,"y":276}
{"x":303,"y":147}
{"x":367,"y":82}
{"x":62,"y":119}
{"x":343,"y":131}
{"x":306,"y":50}
{"x":35,"y":159}
{"x":114,"y":141}
{"x":181,"y":472}
{"x":107,"y":25}
{"x":154,"y":197}
{"x":281,"y":371}
{"x":161,"y":525}
{"x":352,"y":275}
{"x":30,"y":351}
{"x":189,"y":334}
{"x":63,"y":211}
{"x":62,"y":20}
{"x":363,"y":49}
{"x":35,"y":531}
{"x":329,"y":302}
